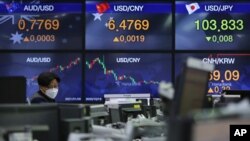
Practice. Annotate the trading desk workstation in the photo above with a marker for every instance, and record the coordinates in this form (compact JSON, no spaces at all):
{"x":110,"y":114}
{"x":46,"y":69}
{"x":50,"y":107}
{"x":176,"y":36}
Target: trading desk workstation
{"x":124,"y":70}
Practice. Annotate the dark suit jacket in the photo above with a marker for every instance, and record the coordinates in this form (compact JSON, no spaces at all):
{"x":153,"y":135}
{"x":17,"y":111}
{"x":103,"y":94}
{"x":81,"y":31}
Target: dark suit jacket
{"x":40,"y":97}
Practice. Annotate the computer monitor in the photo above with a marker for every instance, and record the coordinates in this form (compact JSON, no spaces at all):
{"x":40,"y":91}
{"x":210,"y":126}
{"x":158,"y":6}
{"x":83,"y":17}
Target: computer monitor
{"x":122,"y":112}
{"x":21,"y":115}
{"x":74,"y":118}
{"x":191,"y":87}
{"x":12,"y":89}
{"x":125,"y":74}
{"x":123,"y":98}
{"x":154,"y":34}
{"x":61,"y":33}
{"x":66,"y":65}
{"x":67,"y":111}
{"x":99,"y":114}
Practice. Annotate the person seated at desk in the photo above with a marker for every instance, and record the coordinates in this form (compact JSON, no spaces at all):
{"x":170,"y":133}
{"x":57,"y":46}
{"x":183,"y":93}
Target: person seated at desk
{"x":48,"y":88}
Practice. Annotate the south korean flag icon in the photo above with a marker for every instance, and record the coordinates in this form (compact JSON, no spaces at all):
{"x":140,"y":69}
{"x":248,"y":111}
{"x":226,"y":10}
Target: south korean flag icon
{"x":191,"y":8}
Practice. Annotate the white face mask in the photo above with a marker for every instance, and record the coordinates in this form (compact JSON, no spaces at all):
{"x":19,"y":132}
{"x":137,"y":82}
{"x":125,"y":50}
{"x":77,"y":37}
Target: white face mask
{"x":52,"y":93}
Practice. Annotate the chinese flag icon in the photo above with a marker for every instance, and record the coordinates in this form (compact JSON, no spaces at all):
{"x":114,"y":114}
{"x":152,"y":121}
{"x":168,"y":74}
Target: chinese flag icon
{"x":102,"y":7}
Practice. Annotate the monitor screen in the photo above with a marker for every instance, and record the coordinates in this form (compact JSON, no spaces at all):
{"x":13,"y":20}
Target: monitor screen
{"x":212,"y":25}
{"x":124,"y":73}
{"x":68,"y":111}
{"x":128,"y":25}
{"x":231,"y":72}
{"x":12,"y":89}
{"x":67,"y":66}
{"x":41,"y":24}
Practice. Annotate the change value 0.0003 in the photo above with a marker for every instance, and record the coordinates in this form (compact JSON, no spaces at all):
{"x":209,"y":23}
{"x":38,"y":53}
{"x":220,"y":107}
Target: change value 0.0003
{"x":40,"y":38}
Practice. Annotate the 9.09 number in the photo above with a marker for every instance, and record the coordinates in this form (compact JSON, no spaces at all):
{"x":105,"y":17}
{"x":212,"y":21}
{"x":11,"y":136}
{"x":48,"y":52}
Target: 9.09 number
{"x":228,"y":75}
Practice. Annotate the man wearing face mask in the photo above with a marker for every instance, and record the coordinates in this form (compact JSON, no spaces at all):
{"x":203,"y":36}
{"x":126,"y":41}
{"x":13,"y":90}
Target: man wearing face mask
{"x":48,"y":88}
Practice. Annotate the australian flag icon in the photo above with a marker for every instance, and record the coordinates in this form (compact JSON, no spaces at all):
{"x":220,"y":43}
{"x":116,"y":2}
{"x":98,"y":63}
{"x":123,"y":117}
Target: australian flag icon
{"x":12,"y":7}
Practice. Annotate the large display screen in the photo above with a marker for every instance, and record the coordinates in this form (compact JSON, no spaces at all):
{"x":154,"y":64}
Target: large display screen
{"x":41,"y":24}
{"x":212,"y":25}
{"x":128,"y":25}
{"x":67,"y":66}
{"x":123,"y":73}
{"x":232,"y":71}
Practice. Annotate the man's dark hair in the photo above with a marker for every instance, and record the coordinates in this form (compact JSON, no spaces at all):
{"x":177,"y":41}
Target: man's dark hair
{"x":45,"y":78}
